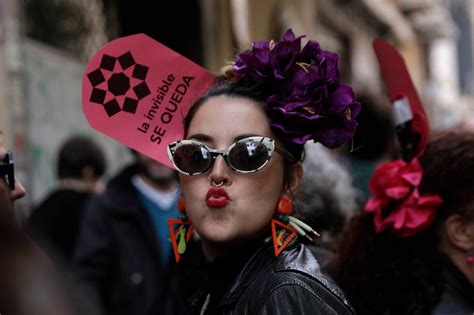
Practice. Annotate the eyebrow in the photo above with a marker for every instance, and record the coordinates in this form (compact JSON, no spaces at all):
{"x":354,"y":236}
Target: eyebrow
{"x":200,"y":137}
{"x":246,"y":136}
{"x":207,"y":138}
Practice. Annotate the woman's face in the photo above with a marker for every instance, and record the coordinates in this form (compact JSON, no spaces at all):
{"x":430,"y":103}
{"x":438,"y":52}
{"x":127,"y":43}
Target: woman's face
{"x":252,"y":198}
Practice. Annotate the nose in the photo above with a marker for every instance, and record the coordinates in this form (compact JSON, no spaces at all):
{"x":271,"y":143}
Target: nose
{"x":19,"y":191}
{"x":220,"y":172}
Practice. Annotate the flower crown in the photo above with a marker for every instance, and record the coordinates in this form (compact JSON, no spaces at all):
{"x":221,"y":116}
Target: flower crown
{"x":308,"y":102}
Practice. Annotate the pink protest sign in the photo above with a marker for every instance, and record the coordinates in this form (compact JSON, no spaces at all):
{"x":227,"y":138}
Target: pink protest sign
{"x":138,"y":91}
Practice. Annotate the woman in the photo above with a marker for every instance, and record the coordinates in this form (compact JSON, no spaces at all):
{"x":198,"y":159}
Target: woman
{"x":240,"y":167}
{"x":418,"y":259}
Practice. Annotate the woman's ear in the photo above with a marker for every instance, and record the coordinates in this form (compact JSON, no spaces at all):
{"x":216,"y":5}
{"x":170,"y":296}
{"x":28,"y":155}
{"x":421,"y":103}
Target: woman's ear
{"x":296,"y":179}
{"x":459,"y":232}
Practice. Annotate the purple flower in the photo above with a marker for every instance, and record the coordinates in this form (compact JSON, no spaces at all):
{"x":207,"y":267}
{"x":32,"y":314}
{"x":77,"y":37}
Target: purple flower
{"x":269,"y":60}
{"x":256,"y":65}
{"x":326,"y":116}
{"x":308,"y":101}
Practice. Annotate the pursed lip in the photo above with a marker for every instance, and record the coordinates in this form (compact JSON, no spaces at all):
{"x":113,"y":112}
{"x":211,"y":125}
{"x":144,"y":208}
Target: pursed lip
{"x":217,"y":198}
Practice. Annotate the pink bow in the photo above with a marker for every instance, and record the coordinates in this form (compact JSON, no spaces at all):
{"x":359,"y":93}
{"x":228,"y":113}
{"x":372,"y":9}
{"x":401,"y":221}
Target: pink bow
{"x":396,"y":201}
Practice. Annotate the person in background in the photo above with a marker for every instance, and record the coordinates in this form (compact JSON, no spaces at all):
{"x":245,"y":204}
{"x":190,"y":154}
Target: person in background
{"x":123,"y":256}
{"x":29,"y":285}
{"x":326,"y":199}
{"x":54,"y":224}
{"x":412,"y":250}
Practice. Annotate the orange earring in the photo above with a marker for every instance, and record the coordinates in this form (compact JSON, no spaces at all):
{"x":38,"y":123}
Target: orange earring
{"x":181,"y":231}
{"x":181,"y":204}
{"x":282,"y":233}
{"x":284,"y":206}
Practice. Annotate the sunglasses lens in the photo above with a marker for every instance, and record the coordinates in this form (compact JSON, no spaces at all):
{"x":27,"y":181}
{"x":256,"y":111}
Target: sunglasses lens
{"x":10,"y":182}
{"x":10,"y":173}
{"x":248,"y":156}
{"x":192,"y":158}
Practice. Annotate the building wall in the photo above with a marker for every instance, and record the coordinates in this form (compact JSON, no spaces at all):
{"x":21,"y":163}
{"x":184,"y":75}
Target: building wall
{"x":54,"y":109}
{"x":40,"y":86}
{"x":424,"y":32}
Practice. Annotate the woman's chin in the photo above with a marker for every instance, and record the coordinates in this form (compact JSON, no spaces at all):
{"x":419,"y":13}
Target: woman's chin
{"x":216,"y":235}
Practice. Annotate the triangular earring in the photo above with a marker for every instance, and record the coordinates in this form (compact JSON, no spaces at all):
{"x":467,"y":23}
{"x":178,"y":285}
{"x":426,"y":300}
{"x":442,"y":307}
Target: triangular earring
{"x":282,"y":235}
{"x":180,"y":234}
{"x":181,"y":231}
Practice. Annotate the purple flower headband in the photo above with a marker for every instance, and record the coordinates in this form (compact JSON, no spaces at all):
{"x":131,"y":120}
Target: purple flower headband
{"x":308,"y":100}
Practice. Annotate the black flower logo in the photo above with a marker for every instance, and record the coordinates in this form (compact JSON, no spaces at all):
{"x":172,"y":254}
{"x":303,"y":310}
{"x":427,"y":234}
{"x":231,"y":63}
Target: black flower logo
{"x":119,"y":86}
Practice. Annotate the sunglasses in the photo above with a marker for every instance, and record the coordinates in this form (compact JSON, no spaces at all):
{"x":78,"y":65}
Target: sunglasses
{"x":247,"y":155}
{"x":7,"y":170}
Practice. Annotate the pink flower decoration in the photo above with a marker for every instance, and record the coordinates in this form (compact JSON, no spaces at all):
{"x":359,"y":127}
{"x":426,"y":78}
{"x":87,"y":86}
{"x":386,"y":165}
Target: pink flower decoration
{"x":396,"y":202}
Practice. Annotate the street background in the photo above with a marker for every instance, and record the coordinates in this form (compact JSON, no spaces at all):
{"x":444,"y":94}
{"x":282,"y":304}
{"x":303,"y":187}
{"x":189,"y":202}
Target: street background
{"x":45,"y":45}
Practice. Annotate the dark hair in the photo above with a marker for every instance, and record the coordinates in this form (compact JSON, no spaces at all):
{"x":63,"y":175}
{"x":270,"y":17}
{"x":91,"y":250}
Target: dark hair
{"x":382,"y":273}
{"x":448,"y":166}
{"x":79,"y":152}
{"x":374,"y":136}
{"x":256,"y":92}
{"x":326,"y":198}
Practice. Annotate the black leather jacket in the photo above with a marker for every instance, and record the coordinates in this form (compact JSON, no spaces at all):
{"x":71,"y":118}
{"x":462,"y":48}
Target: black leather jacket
{"x":291,"y":283}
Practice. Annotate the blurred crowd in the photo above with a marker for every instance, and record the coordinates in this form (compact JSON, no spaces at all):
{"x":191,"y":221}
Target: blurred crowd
{"x":99,"y":243}
{"x":90,"y":248}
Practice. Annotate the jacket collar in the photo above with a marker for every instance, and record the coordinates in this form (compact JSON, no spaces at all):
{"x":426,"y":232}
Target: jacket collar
{"x":297,"y":257}
{"x":249,"y":261}
{"x":260,"y":261}
{"x":302,"y":259}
